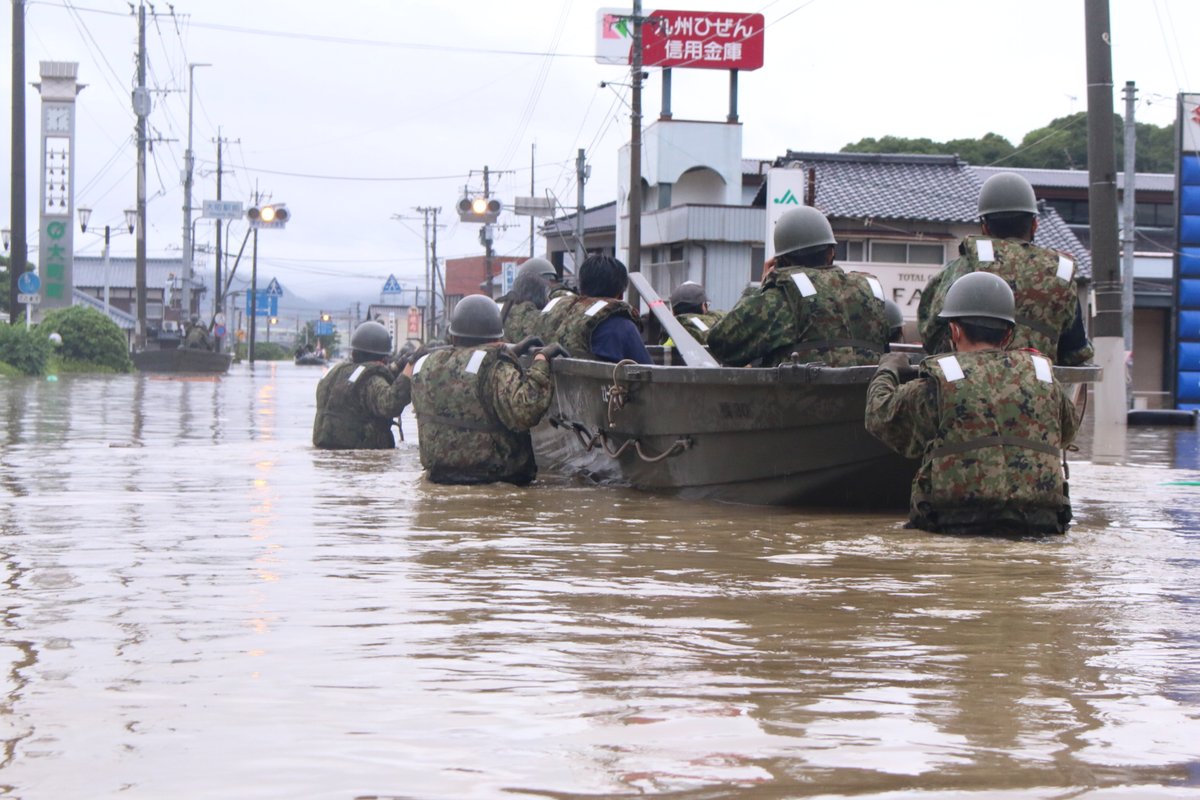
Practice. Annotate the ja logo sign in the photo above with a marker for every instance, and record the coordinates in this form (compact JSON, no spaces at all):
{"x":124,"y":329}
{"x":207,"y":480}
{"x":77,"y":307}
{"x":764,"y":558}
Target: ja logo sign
{"x":787,"y":199}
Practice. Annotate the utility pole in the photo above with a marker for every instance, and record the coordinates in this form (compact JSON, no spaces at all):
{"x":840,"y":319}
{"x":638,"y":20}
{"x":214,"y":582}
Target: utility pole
{"x":19,"y":254}
{"x":429,"y":310}
{"x":141,"y":107}
{"x":1110,"y":413}
{"x":188,"y":166}
{"x":1128,"y":237}
{"x":581,"y":176}
{"x":485,"y":236}
{"x":439,"y":287}
{"x":635,"y":154}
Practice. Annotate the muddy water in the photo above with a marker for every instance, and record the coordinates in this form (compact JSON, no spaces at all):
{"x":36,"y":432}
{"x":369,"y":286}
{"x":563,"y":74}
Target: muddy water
{"x":197,"y":604}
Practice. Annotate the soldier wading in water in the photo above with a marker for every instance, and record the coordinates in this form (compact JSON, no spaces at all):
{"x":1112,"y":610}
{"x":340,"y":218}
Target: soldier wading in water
{"x":475,"y":403}
{"x":989,"y":424}
{"x":358,"y":399}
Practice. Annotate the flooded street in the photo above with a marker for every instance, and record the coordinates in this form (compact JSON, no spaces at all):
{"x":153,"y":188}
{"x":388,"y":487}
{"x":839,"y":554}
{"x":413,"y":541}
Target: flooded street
{"x":198,"y":604}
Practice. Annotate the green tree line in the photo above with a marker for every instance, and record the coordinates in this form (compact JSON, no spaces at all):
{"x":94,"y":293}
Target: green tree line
{"x":1062,"y":144}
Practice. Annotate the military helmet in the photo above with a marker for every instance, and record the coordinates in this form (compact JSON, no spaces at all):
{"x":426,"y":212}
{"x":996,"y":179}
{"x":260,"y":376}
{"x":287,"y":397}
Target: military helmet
{"x":802,"y":228}
{"x":1007,"y":192}
{"x":477,"y":317}
{"x":893,"y":314}
{"x":980,"y":298}
{"x":538,"y":266}
{"x":371,"y":337}
{"x":690,"y":293}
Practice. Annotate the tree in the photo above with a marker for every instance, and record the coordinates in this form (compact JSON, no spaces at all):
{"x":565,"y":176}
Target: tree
{"x":88,"y":336}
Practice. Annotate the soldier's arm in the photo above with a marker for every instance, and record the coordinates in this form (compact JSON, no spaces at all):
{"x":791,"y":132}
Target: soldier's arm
{"x":1073,"y":345}
{"x":932,"y":330}
{"x":758,"y":324}
{"x":904,"y":417}
{"x":521,"y":398}
{"x":388,"y":399}
{"x":1069,"y":417}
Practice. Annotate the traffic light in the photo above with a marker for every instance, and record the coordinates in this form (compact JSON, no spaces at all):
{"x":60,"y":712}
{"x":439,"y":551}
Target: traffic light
{"x":274,"y":215}
{"x":479,"y":209}
{"x":325,"y":317}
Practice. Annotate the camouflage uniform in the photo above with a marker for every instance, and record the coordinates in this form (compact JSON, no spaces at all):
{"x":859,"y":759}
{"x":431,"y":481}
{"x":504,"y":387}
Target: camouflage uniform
{"x":356,"y":404}
{"x":823,"y":314}
{"x":989,"y":427}
{"x":1043,"y":283}
{"x":520,"y":320}
{"x":197,"y":338}
{"x":570,"y":320}
{"x":698,"y":325}
{"x":475,"y":406}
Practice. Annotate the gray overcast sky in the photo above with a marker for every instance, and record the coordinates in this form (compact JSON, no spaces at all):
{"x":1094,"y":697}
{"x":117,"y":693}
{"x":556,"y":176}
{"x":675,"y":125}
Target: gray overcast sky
{"x":356,"y":111}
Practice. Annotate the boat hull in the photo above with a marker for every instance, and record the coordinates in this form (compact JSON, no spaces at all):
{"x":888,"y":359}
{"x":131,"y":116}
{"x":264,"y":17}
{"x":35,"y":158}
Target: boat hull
{"x":182,"y":359}
{"x":791,"y":435}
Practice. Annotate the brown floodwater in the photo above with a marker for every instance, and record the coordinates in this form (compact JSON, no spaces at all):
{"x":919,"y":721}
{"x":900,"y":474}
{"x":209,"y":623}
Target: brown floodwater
{"x":198,"y":604}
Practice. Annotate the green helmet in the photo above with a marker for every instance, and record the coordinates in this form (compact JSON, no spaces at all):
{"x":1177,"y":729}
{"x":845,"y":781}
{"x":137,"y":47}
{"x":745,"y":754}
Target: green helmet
{"x":538,"y":266}
{"x":980,"y":298}
{"x":477,"y":317}
{"x":893,"y":314}
{"x":1006,"y":192}
{"x":371,"y":337}
{"x":802,"y":228}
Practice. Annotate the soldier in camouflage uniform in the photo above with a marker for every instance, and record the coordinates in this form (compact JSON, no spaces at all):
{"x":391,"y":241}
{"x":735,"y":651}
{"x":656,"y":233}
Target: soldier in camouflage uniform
{"x":595,"y":324}
{"x":475,"y":404}
{"x":523,"y":306}
{"x":197,"y":337}
{"x":1049,"y":315}
{"x":357,"y":400}
{"x":805,"y":304}
{"x":988,"y":424}
{"x":689,"y":304}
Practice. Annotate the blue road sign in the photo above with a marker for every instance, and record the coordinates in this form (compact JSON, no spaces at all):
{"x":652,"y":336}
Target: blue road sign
{"x":274,"y":289}
{"x":266,"y":305}
{"x":323,"y":328}
{"x":29,"y":283}
{"x":392,"y":285}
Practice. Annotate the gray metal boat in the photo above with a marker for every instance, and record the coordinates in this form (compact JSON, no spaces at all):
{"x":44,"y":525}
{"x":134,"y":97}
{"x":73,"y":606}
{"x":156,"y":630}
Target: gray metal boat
{"x":181,"y":359}
{"x":788,"y":435}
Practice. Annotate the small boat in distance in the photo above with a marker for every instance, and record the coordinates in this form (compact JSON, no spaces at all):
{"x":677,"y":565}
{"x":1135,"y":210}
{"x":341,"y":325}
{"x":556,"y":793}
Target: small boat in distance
{"x":311,"y":360}
{"x":181,"y":359}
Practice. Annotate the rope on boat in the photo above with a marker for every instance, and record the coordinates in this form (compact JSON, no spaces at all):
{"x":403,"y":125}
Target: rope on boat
{"x":590,"y":441}
{"x":618,"y":393}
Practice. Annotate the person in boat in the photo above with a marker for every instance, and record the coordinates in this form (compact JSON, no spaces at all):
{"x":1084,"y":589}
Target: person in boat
{"x":196,"y":337}
{"x":358,"y":399}
{"x":989,"y":423}
{"x":475,"y":403}
{"x":689,"y":304}
{"x":596,"y":324}
{"x":1049,"y":314}
{"x":524,"y":303}
{"x":895,"y":321}
{"x":805,"y":304}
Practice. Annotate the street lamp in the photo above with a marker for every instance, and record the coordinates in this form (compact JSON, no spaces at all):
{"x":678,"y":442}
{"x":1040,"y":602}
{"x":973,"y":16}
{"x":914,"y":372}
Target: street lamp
{"x":7,"y":235}
{"x":85,"y":214}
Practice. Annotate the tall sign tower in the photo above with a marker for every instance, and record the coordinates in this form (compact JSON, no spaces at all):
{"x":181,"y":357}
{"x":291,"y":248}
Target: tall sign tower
{"x":58,"y":88}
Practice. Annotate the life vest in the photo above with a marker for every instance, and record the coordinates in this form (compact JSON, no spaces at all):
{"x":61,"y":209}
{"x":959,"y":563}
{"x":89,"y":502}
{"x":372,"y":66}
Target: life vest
{"x":1043,"y":284}
{"x":698,"y":325}
{"x":997,"y":457}
{"x":570,"y":321}
{"x":462,"y":440}
{"x":839,"y":317}
{"x":344,"y":421}
{"x":520,"y":320}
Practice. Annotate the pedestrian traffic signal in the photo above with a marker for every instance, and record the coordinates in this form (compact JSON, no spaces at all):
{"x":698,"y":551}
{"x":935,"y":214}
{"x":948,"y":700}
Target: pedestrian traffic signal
{"x":274,"y":215}
{"x":479,"y":209}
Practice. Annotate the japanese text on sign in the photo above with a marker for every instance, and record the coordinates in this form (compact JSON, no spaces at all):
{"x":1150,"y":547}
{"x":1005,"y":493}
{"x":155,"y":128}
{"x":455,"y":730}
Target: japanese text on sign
{"x":704,"y":40}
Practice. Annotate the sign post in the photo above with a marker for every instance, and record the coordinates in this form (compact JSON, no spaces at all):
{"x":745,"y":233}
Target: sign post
{"x":29,"y":284}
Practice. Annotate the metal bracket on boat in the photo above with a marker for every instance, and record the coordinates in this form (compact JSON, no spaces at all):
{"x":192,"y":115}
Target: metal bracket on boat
{"x":600,"y":438}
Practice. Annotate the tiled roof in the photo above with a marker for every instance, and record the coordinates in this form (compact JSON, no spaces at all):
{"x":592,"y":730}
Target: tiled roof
{"x":888,"y":186}
{"x":89,"y":271}
{"x":596,"y":218}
